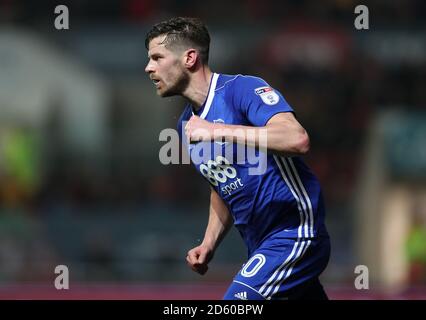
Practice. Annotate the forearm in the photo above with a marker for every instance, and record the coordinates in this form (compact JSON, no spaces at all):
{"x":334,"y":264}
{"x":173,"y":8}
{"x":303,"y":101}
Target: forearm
{"x":282,"y":134}
{"x":220,"y":221}
{"x":286,"y":139}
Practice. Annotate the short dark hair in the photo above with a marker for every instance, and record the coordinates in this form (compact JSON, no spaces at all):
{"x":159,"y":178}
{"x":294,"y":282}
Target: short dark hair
{"x":186,"y":31}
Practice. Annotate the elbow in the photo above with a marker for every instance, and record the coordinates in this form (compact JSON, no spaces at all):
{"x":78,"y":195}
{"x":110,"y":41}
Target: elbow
{"x":303,"y":144}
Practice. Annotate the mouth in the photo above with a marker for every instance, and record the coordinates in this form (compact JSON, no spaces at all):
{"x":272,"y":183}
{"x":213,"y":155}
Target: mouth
{"x":156,"y":82}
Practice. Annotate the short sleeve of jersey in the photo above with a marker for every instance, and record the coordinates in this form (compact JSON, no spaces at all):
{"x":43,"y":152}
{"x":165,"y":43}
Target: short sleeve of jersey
{"x":258,"y":101}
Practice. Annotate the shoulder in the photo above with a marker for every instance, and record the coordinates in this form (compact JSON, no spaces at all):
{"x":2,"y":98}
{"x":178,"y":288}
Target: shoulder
{"x":248,"y":80}
{"x":227,"y":81}
{"x":241,"y":89}
{"x":241,"y":83}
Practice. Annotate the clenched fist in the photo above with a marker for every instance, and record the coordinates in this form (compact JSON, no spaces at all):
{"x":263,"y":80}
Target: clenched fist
{"x":198,"y":259}
{"x":198,"y":129}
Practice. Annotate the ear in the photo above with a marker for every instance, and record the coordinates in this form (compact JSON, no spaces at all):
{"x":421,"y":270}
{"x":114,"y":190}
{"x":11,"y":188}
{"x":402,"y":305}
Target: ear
{"x":190,"y":58}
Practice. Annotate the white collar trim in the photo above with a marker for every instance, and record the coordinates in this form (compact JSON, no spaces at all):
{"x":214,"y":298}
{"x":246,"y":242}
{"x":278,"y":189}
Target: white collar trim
{"x":210,"y":96}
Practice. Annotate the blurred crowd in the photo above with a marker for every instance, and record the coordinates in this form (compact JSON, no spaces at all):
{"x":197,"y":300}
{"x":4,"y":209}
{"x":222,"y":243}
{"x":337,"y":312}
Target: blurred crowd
{"x":249,"y":11}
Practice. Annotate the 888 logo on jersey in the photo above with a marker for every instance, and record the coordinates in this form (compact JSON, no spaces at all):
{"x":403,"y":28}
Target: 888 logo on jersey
{"x":220,"y":170}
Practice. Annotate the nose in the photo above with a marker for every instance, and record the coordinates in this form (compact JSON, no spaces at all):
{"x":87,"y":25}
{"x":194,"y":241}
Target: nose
{"x":149,"y":67}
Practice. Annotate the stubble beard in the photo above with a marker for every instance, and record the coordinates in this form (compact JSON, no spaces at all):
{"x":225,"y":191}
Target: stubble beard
{"x":179,"y":86}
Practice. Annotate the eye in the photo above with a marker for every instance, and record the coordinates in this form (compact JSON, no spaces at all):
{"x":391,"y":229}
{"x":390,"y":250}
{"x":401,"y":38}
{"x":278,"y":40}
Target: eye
{"x":156,"y":57}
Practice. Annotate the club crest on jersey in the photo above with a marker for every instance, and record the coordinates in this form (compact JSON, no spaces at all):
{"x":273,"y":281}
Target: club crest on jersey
{"x":268,"y":95}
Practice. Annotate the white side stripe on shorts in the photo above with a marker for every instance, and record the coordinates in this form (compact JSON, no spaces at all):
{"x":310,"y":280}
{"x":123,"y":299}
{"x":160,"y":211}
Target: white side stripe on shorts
{"x":269,"y":284}
{"x":279,"y":282}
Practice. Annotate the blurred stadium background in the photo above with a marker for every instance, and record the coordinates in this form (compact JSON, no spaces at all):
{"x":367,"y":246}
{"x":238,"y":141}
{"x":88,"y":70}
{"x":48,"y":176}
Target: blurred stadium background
{"x":81,"y":184}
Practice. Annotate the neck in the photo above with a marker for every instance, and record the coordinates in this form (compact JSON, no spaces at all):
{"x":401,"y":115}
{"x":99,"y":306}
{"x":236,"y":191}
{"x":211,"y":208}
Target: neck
{"x":198,"y":88}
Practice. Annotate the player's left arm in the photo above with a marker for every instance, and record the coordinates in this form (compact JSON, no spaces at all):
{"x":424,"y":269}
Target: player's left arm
{"x":220,"y":221}
{"x":282,"y":134}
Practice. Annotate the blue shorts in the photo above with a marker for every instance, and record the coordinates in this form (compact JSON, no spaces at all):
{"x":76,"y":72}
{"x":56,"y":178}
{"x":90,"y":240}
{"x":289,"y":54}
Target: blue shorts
{"x":284,"y":269}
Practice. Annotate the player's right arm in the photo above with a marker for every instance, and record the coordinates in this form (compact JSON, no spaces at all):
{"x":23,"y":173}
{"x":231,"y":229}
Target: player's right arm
{"x":220,"y":221}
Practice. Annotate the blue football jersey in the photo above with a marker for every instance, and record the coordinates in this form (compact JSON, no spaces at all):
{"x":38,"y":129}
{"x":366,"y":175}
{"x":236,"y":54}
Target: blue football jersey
{"x":269,"y":196}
